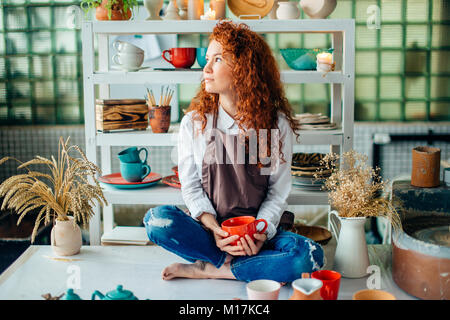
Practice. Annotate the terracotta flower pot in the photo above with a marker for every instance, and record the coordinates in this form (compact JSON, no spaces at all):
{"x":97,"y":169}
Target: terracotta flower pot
{"x":66,"y":238}
{"x":117,"y":12}
{"x":159,"y":119}
{"x":425,"y":167}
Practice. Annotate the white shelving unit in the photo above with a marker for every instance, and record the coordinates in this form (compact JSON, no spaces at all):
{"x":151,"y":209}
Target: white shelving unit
{"x":342,"y":99}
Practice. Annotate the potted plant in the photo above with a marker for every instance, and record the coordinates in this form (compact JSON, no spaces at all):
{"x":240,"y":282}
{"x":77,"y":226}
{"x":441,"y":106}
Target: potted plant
{"x":63,"y":195}
{"x":110,"y":9}
{"x":356,"y":191}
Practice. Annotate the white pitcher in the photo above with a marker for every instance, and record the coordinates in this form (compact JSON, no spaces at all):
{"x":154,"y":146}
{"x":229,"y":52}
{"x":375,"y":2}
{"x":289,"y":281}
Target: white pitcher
{"x":351,"y":258}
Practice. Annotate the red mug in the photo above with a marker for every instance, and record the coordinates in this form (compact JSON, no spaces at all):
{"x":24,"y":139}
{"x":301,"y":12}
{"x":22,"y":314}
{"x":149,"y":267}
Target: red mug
{"x":180,"y":57}
{"x":331,"y":281}
{"x":243,"y":225}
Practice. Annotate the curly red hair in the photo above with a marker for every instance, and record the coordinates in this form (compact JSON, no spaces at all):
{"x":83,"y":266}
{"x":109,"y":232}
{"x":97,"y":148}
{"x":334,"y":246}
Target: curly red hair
{"x":256,"y":80}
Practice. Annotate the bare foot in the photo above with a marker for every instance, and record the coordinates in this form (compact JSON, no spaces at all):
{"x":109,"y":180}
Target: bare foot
{"x":197,"y":270}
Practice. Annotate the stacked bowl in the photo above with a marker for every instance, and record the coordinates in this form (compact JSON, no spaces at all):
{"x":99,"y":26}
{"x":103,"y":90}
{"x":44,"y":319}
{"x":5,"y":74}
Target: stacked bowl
{"x":304,"y":167}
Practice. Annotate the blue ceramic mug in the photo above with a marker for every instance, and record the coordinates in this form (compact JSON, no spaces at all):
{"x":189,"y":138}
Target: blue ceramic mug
{"x":131,"y":155}
{"x":134,"y":171}
{"x":201,"y":56}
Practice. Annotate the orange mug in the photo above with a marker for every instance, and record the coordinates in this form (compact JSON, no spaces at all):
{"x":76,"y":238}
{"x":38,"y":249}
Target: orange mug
{"x":243,"y":225}
{"x":180,"y":57}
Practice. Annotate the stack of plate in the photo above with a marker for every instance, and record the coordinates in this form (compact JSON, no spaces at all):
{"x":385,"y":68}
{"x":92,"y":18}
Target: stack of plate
{"x":303,"y":168}
{"x":317,"y":121}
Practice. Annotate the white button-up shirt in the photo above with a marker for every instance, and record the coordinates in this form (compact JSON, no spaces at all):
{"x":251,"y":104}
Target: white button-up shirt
{"x":191,"y":150}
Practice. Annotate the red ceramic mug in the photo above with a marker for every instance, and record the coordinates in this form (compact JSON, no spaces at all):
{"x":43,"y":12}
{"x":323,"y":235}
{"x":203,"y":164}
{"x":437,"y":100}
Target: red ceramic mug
{"x":243,"y":225}
{"x":331,"y":281}
{"x":180,"y":57}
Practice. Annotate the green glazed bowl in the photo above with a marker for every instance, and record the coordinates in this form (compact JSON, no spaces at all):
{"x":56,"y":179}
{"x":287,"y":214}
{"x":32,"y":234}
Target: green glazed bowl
{"x":302,"y":59}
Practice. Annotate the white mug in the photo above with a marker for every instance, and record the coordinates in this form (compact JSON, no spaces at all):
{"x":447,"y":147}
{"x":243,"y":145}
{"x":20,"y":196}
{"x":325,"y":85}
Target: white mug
{"x":263,"y":290}
{"x":128,"y":61}
{"x":126,"y":47}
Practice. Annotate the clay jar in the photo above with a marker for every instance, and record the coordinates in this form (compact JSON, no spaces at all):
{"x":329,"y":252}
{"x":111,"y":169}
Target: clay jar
{"x":425,"y":167}
{"x":101,"y":12}
{"x":160,"y":119}
{"x":65,"y":238}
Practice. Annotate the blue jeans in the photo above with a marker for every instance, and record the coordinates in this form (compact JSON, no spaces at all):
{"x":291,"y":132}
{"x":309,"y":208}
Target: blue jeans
{"x":283,"y":258}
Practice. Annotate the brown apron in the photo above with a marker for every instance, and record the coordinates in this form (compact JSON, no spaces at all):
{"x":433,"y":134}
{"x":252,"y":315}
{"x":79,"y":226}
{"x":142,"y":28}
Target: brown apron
{"x":235,"y":188}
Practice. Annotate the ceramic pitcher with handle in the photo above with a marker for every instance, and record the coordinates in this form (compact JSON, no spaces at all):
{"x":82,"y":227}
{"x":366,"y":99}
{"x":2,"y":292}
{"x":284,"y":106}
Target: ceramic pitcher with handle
{"x":351,"y":258}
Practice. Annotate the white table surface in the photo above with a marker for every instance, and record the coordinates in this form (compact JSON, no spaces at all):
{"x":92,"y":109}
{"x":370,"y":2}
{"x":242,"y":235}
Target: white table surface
{"x":138,"y":269}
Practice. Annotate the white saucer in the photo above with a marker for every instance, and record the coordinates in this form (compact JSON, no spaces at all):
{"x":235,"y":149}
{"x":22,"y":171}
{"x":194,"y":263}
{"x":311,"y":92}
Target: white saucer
{"x":119,"y":68}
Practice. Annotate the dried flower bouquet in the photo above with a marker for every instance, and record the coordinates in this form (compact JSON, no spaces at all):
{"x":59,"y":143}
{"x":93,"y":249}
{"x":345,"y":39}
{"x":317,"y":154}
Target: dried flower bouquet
{"x":356,"y":189}
{"x":65,"y":191}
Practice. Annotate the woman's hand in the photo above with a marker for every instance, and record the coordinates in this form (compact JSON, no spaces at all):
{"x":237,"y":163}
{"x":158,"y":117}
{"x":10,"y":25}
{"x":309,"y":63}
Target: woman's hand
{"x":252,"y":247}
{"x":223,"y":242}
{"x":222,"y":238}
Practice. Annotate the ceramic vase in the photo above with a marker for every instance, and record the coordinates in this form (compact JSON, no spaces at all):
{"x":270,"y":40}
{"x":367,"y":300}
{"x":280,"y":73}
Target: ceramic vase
{"x":159,"y":119}
{"x":182,"y":6}
{"x":318,"y":9}
{"x":66,"y":238}
{"x":351,"y":259}
{"x":101,"y":12}
{"x":153,"y":7}
{"x":425,"y":171}
{"x":172,"y":11}
{"x":287,"y":10}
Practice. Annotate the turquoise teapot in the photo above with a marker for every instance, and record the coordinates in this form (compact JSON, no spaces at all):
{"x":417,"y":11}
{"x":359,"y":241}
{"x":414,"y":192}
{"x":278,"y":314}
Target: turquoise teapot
{"x":70,"y":295}
{"x":118,"y":294}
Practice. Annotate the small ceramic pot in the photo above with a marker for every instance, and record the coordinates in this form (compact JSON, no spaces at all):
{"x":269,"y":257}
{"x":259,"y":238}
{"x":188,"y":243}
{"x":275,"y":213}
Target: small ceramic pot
{"x":372,"y":294}
{"x":159,"y":119}
{"x":117,"y":12}
{"x":425,"y":167}
{"x":153,"y":7}
{"x":66,"y":238}
{"x":287,"y":10}
{"x":318,"y":9}
{"x":172,"y":11}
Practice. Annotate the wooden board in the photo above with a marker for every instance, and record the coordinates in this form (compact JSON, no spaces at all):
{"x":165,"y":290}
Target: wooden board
{"x":117,"y":117}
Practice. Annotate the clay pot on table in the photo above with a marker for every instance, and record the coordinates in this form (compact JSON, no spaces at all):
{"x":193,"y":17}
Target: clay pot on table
{"x":66,"y":238}
{"x":425,"y":167}
{"x":159,"y":118}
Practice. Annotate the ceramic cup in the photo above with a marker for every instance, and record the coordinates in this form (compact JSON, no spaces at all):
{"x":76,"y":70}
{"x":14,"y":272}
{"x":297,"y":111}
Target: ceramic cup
{"x":201,"y":56}
{"x":128,"y":61}
{"x":372,"y":294}
{"x":243,"y":225}
{"x":132,"y":155}
{"x":180,"y":57}
{"x":134,"y":171}
{"x":263,"y":290}
{"x":126,"y":47}
{"x":331,"y":281}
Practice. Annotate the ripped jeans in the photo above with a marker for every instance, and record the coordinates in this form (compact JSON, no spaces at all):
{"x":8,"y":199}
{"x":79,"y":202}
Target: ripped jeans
{"x":283,"y":258}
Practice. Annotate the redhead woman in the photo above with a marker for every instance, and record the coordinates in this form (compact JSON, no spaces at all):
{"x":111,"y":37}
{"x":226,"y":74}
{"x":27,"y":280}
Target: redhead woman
{"x":240,"y":104}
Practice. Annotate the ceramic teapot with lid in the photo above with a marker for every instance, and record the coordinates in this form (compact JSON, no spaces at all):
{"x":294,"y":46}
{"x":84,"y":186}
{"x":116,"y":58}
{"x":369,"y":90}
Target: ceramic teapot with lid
{"x":71,"y":295}
{"x":118,"y":294}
